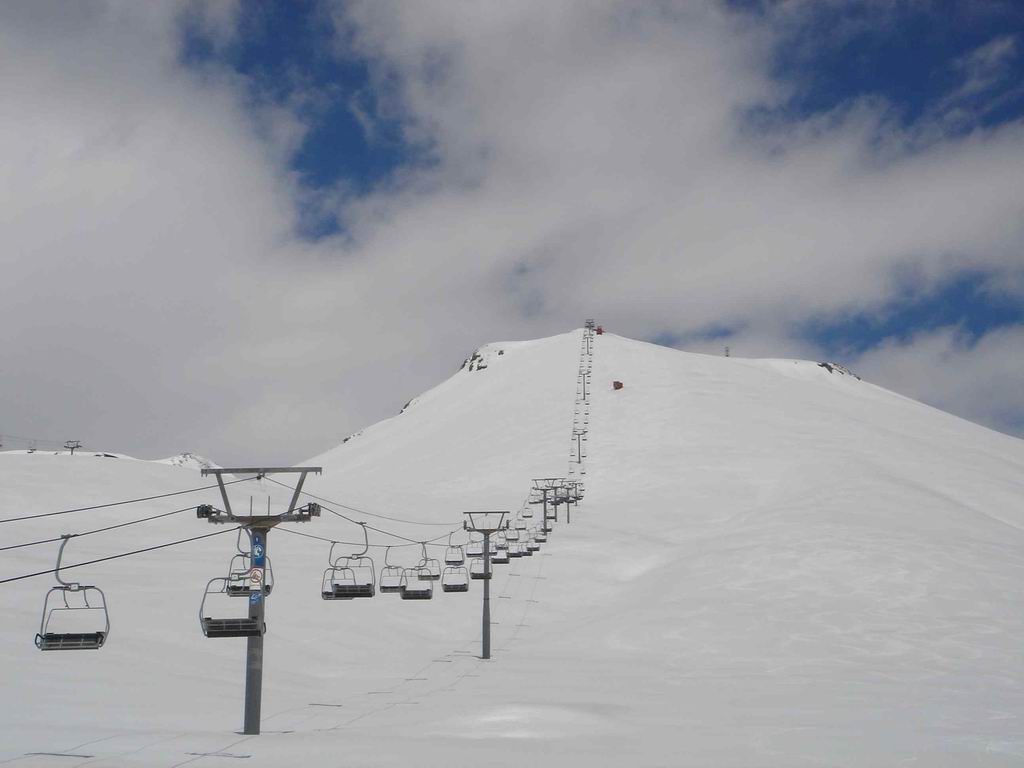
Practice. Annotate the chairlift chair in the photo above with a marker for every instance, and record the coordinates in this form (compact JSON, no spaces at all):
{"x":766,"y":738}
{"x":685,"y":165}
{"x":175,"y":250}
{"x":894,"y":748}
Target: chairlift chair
{"x":454,"y":554}
{"x":513,"y":534}
{"x":429,"y":567}
{"x":413,"y":587}
{"x":475,"y":548}
{"x":67,"y":611}
{"x":390,"y":576}
{"x":476,"y":570}
{"x":533,"y":545}
{"x":500,"y":556}
{"x":238,"y":584}
{"x":349,"y":577}
{"x":455,"y":578}
{"x":243,"y":626}
{"x":515,"y":550}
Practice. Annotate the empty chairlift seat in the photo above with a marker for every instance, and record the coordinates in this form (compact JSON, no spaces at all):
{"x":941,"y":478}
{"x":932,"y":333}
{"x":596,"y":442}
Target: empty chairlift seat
{"x":239,"y":584}
{"x":349,"y":577}
{"x":75,"y":616}
{"x":475,"y":548}
{"x":454,"y":555}
{"x":455,"y":578}
{"x":390,"y":576}
{"x":413,"y":587}
{"x":476,"y":570}
{"x":241,"y":626}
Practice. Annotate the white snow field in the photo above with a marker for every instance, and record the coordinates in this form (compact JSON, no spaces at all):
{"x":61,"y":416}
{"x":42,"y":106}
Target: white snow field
{"x":774,"y":565}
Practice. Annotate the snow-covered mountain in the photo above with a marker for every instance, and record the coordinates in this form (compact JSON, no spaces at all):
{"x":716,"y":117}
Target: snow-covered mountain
{"x":189,"y":461}
{"x":775,"y":564}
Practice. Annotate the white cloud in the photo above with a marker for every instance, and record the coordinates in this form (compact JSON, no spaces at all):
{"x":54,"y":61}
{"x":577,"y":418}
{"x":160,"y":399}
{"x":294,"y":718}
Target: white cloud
{"x":591,"y":159}
{"x":981,"y":379}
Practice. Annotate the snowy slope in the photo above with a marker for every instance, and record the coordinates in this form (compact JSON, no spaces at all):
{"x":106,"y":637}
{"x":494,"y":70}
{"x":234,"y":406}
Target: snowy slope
{"x":774,"y":565}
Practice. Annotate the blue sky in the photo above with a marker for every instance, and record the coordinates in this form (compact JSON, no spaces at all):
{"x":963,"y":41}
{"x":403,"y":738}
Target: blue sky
{"x":328,"y":204}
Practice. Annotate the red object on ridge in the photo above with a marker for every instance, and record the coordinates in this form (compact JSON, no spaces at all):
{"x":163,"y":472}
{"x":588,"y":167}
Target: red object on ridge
{"x":600,"y":330}
{"x":617,"y":385}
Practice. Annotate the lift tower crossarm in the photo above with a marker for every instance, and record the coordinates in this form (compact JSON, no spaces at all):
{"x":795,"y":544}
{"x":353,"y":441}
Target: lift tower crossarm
{"x":219,"y":473}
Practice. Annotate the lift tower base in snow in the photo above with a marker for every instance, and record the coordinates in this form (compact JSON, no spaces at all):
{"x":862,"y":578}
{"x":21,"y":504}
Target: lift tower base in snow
{"x":258,"y":527}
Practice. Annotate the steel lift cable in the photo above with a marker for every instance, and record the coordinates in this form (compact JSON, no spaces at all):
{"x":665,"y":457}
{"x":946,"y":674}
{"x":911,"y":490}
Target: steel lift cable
{"x":120,"y":503}
{"x":116,"y":557}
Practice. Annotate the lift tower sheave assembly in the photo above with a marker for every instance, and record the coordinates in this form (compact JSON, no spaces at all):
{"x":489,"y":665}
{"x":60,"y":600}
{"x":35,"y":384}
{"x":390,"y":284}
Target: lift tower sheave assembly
{"x":486,"y":523}
{"x":258,"y":528}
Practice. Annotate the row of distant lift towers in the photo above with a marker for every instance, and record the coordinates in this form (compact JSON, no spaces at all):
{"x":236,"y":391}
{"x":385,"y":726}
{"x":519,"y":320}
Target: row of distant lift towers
{"x":581,"y":410}
{"x":252,"y":581}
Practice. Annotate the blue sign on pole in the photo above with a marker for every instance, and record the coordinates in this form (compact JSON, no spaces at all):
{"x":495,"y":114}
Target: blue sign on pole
{"x":255,"y":597}
{"x":259,"y":550}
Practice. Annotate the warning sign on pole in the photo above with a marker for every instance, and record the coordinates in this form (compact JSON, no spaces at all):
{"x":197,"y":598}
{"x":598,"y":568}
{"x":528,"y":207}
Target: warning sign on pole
{"x":256,"y":576}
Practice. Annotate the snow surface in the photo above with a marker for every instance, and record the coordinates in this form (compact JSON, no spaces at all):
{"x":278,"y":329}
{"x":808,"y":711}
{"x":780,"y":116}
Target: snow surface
{"x":773,"y":566}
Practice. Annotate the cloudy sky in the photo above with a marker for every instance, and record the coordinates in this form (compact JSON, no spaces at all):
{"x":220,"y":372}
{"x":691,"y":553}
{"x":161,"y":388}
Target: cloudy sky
{"x":250,"y":229}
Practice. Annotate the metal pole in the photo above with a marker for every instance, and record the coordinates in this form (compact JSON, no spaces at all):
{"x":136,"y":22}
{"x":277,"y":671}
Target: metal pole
{"x":254,"y":645}
{"x":487,"y":597}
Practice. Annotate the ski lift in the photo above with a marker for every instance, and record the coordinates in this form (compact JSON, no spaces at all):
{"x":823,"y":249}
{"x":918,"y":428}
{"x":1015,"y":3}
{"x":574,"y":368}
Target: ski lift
{"x":533,"y":545}
{"x":454,"y":554}
{"x":499,"y":542}
{"x":390,"y":575}
{"x":475,"y":548}
{"x":512,"y":534}
{"x":244,"y":626}
{"x":429,"y":567}
{"x":477,"y":570}
{"x":349,"y":577}
{"x":414,"y":586}
{"x":500,"y":556}
{"x":520,"y":525}
{"x":61,"y":627}
{"x":455,"y":578}
{"x":515,"y":550}
{"x":540,"y":536}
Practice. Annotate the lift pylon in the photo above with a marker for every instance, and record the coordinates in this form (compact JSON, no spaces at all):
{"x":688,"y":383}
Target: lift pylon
{"x":486,"y":523}
{"x":258,"y":527}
